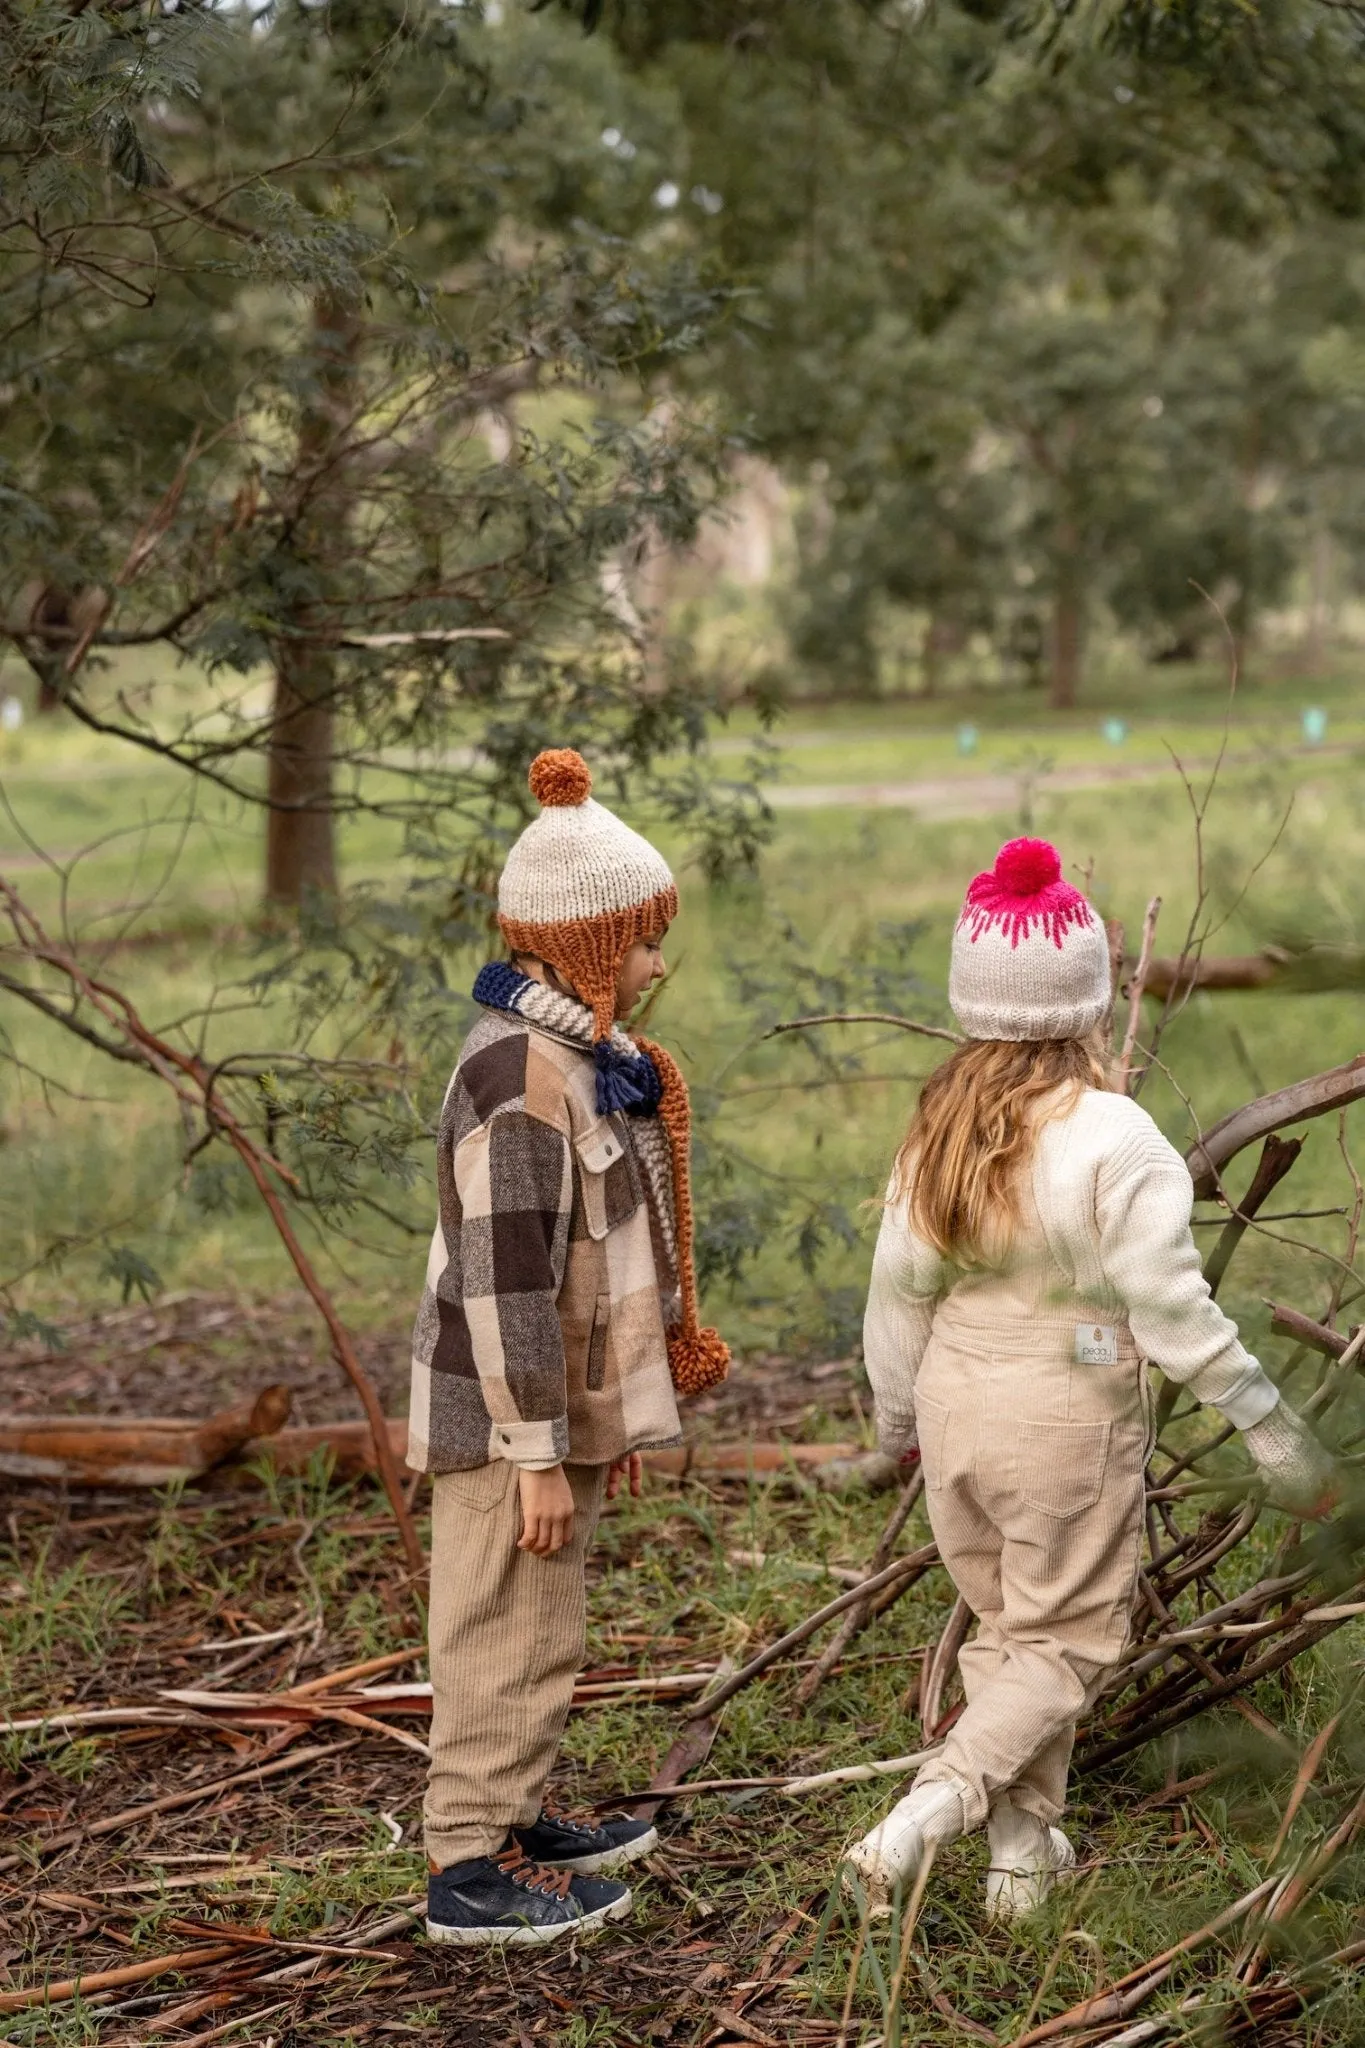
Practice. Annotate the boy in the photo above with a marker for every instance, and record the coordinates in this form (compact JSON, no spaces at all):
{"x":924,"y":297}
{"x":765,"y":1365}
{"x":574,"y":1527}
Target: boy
{"x":558,"y":1318}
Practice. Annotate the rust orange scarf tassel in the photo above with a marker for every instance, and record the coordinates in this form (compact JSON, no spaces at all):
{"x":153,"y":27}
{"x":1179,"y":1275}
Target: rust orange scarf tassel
{"x":697,"y":1358}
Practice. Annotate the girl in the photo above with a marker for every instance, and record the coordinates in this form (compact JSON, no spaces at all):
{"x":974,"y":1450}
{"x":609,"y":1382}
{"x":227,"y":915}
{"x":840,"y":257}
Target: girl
{"x":1035,"y":1252}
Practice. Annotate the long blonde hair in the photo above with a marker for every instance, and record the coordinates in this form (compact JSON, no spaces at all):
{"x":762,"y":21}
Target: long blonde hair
{"x":972,"y":1136}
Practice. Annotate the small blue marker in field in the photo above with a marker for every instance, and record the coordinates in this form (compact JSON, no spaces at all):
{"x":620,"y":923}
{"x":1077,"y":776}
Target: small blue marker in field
{"x":1115,"y":731}
{"x":1314,"y":725}
{"x":967,"y":737}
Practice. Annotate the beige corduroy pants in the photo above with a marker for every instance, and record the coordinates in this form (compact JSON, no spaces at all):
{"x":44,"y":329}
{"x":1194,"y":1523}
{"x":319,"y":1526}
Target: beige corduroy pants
{"x":1033,"y":1464}
{"x":506,"y":1637}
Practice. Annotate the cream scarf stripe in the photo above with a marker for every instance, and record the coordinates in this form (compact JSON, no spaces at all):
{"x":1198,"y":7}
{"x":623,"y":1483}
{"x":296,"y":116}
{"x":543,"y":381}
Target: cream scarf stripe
{"x":547,"y":1010}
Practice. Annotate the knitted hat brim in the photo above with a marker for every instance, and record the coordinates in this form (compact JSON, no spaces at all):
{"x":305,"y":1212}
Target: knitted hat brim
{"x":1022,"y":1025}
{"x":589,"y":950}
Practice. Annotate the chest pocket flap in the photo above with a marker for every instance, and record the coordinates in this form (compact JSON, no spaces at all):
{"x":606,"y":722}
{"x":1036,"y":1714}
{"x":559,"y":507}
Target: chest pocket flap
{"x":605,"y":1177}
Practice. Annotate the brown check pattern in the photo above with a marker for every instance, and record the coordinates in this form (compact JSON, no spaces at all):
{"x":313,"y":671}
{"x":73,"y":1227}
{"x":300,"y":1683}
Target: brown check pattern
{"x":540,"y":1335}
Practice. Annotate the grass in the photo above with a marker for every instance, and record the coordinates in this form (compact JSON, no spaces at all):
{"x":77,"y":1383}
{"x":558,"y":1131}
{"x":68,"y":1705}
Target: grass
{"x":735,"y":1875}
{"x":798,"y":1131}
{"x":853,"y":908}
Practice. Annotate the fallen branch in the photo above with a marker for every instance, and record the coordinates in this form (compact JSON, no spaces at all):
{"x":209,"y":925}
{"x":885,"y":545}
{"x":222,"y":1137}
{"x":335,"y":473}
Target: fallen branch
{"x":691,"y":1747}
{"x":843,"y":1575}
{"x":780,"y":1781}
{"x":1277,"y":1158}
{"x":867,"y":1017}
{"x":1141,"y":976}
{"x":351,"y":1448}
{"x":1287,"y":1322}
{"x":1222,"y":1688}
{"x":1317,"y":1096}
{"x":195,"y":1083}
{"x":861,"y":1613}
{"x":1110,"y":2004}
{"x":1171,"y":978}
{"x":116,"y":1452}
{"x":107,"y":1980}
{"x":48,"y":1845}
{"x":905,"y":1568}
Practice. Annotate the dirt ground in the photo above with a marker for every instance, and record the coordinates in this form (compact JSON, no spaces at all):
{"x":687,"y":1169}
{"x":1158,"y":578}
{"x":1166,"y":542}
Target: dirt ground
{"x":124,"y":1598}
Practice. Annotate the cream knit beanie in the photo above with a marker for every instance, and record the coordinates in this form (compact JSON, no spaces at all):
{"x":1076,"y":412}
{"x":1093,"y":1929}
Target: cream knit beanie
{"x":579,"y":887}
{"x":1030,"y":958}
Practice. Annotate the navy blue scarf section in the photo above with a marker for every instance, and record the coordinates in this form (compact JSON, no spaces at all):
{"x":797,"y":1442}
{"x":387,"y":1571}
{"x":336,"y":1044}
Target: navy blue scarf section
{"x":627,"y":1081}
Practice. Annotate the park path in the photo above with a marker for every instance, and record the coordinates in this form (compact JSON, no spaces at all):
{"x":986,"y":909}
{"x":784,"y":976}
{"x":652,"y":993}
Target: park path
{"x":980,"y":795}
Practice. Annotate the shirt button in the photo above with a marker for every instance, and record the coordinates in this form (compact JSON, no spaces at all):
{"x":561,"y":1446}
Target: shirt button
{"x":504,"y":1439}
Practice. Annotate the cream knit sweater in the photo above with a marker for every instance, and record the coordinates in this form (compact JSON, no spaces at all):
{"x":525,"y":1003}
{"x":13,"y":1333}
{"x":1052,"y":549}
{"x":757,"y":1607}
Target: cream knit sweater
{"x":1113,"y":1198}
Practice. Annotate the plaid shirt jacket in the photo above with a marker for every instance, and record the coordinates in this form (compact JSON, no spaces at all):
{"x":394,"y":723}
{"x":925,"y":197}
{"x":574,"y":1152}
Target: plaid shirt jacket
{"x":540,"y":1336}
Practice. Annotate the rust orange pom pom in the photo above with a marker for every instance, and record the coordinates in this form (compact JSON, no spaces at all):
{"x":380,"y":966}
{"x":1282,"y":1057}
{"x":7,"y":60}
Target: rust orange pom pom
{"x":560,"y":778}
{"x":697,"y":1359}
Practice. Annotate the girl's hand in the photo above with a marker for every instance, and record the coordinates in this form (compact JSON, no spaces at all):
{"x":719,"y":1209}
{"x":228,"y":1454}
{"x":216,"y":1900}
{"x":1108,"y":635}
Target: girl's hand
{"x":630,"y":1467}
{"x":1300,"y":1476}
{"x":546,"y":1511}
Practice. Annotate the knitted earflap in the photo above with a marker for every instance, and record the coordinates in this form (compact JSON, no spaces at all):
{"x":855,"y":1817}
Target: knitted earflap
{"x":697,"y":1358}
{"x":579,"y":887}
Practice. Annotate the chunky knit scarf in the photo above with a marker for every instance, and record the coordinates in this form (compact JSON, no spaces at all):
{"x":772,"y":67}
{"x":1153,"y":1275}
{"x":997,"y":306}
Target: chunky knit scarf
{"x":639,"y":1078}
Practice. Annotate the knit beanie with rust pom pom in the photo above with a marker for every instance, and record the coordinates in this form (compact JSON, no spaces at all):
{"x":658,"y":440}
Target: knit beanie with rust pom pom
{"x":580,"y":888}
{"x":1030,"y":957}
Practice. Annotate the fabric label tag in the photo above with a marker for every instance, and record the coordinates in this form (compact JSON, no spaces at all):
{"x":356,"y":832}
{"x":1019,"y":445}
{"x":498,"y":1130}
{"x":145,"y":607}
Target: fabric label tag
{"x":1096,"y":1345}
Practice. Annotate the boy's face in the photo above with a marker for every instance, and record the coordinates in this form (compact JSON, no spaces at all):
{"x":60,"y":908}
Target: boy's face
{"x":641,"y":968}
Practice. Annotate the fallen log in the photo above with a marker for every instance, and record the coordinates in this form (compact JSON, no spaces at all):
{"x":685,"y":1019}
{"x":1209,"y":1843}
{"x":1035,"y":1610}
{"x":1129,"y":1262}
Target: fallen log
{"x":1317,"y":970}
{"x":1168,"y":977}
{"x":156,"y":1450}
{"x":116,"y":1451}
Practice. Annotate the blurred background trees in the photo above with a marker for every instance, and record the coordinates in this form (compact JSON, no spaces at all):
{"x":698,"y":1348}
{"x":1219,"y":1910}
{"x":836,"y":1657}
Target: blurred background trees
{"x":1038,"y":318}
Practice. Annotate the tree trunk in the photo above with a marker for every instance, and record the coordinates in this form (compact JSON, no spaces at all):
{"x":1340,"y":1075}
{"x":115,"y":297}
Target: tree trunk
{"x":300,"y":841}
{"x":1067,"y":626}
{"x":300,"y":833}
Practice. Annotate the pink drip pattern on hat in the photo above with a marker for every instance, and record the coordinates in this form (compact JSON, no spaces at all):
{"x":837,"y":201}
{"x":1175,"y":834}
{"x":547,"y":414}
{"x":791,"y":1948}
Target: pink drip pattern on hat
{"x":1023,"y":890}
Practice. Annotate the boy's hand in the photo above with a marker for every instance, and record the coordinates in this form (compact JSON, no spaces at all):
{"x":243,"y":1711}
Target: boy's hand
{"x":546,"y":1511}
{"x":630,"y":1467}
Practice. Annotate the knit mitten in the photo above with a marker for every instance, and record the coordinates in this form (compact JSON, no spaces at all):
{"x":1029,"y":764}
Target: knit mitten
{"x":1299,"y":1473}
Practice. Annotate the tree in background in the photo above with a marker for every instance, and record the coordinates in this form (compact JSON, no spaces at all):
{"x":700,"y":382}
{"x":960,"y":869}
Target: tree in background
{"x":274,"y":286}
{"x":1014,"y":281}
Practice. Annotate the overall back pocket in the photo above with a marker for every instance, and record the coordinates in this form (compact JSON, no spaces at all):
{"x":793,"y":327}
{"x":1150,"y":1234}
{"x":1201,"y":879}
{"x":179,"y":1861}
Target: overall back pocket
{"x":1061,"y":1465}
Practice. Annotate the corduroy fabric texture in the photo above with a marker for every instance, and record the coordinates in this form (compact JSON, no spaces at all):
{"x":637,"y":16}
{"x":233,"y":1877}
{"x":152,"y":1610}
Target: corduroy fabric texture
{"x":540,"y":1334}
{"x":1034,"y":1484}
{"x":1030,"y":958}
{"x":506,"y":1634}
{"x":580,"y":887}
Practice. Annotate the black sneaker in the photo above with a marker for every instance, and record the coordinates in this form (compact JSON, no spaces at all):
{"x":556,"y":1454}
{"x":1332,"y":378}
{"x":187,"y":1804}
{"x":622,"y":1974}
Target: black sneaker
{"x":508,"y":1898}
{"x":569,"y":1844}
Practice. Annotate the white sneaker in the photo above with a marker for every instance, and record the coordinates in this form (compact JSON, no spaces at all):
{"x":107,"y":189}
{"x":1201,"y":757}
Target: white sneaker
{"x":895,"y":1848}
{"x":1027,"y":1859}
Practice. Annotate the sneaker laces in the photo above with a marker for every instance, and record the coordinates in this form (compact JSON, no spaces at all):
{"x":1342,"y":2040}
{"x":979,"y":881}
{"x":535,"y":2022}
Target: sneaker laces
{"x":562,"y":1818}
{"x":518,"y":1867}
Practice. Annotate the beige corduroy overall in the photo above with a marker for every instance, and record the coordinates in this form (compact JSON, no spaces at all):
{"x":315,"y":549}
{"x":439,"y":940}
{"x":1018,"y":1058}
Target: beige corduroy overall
{"x":1034,"y":1420}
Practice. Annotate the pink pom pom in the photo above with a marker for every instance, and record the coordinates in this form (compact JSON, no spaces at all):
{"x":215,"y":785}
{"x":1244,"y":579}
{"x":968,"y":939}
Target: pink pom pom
{"x":1025,"y":867}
